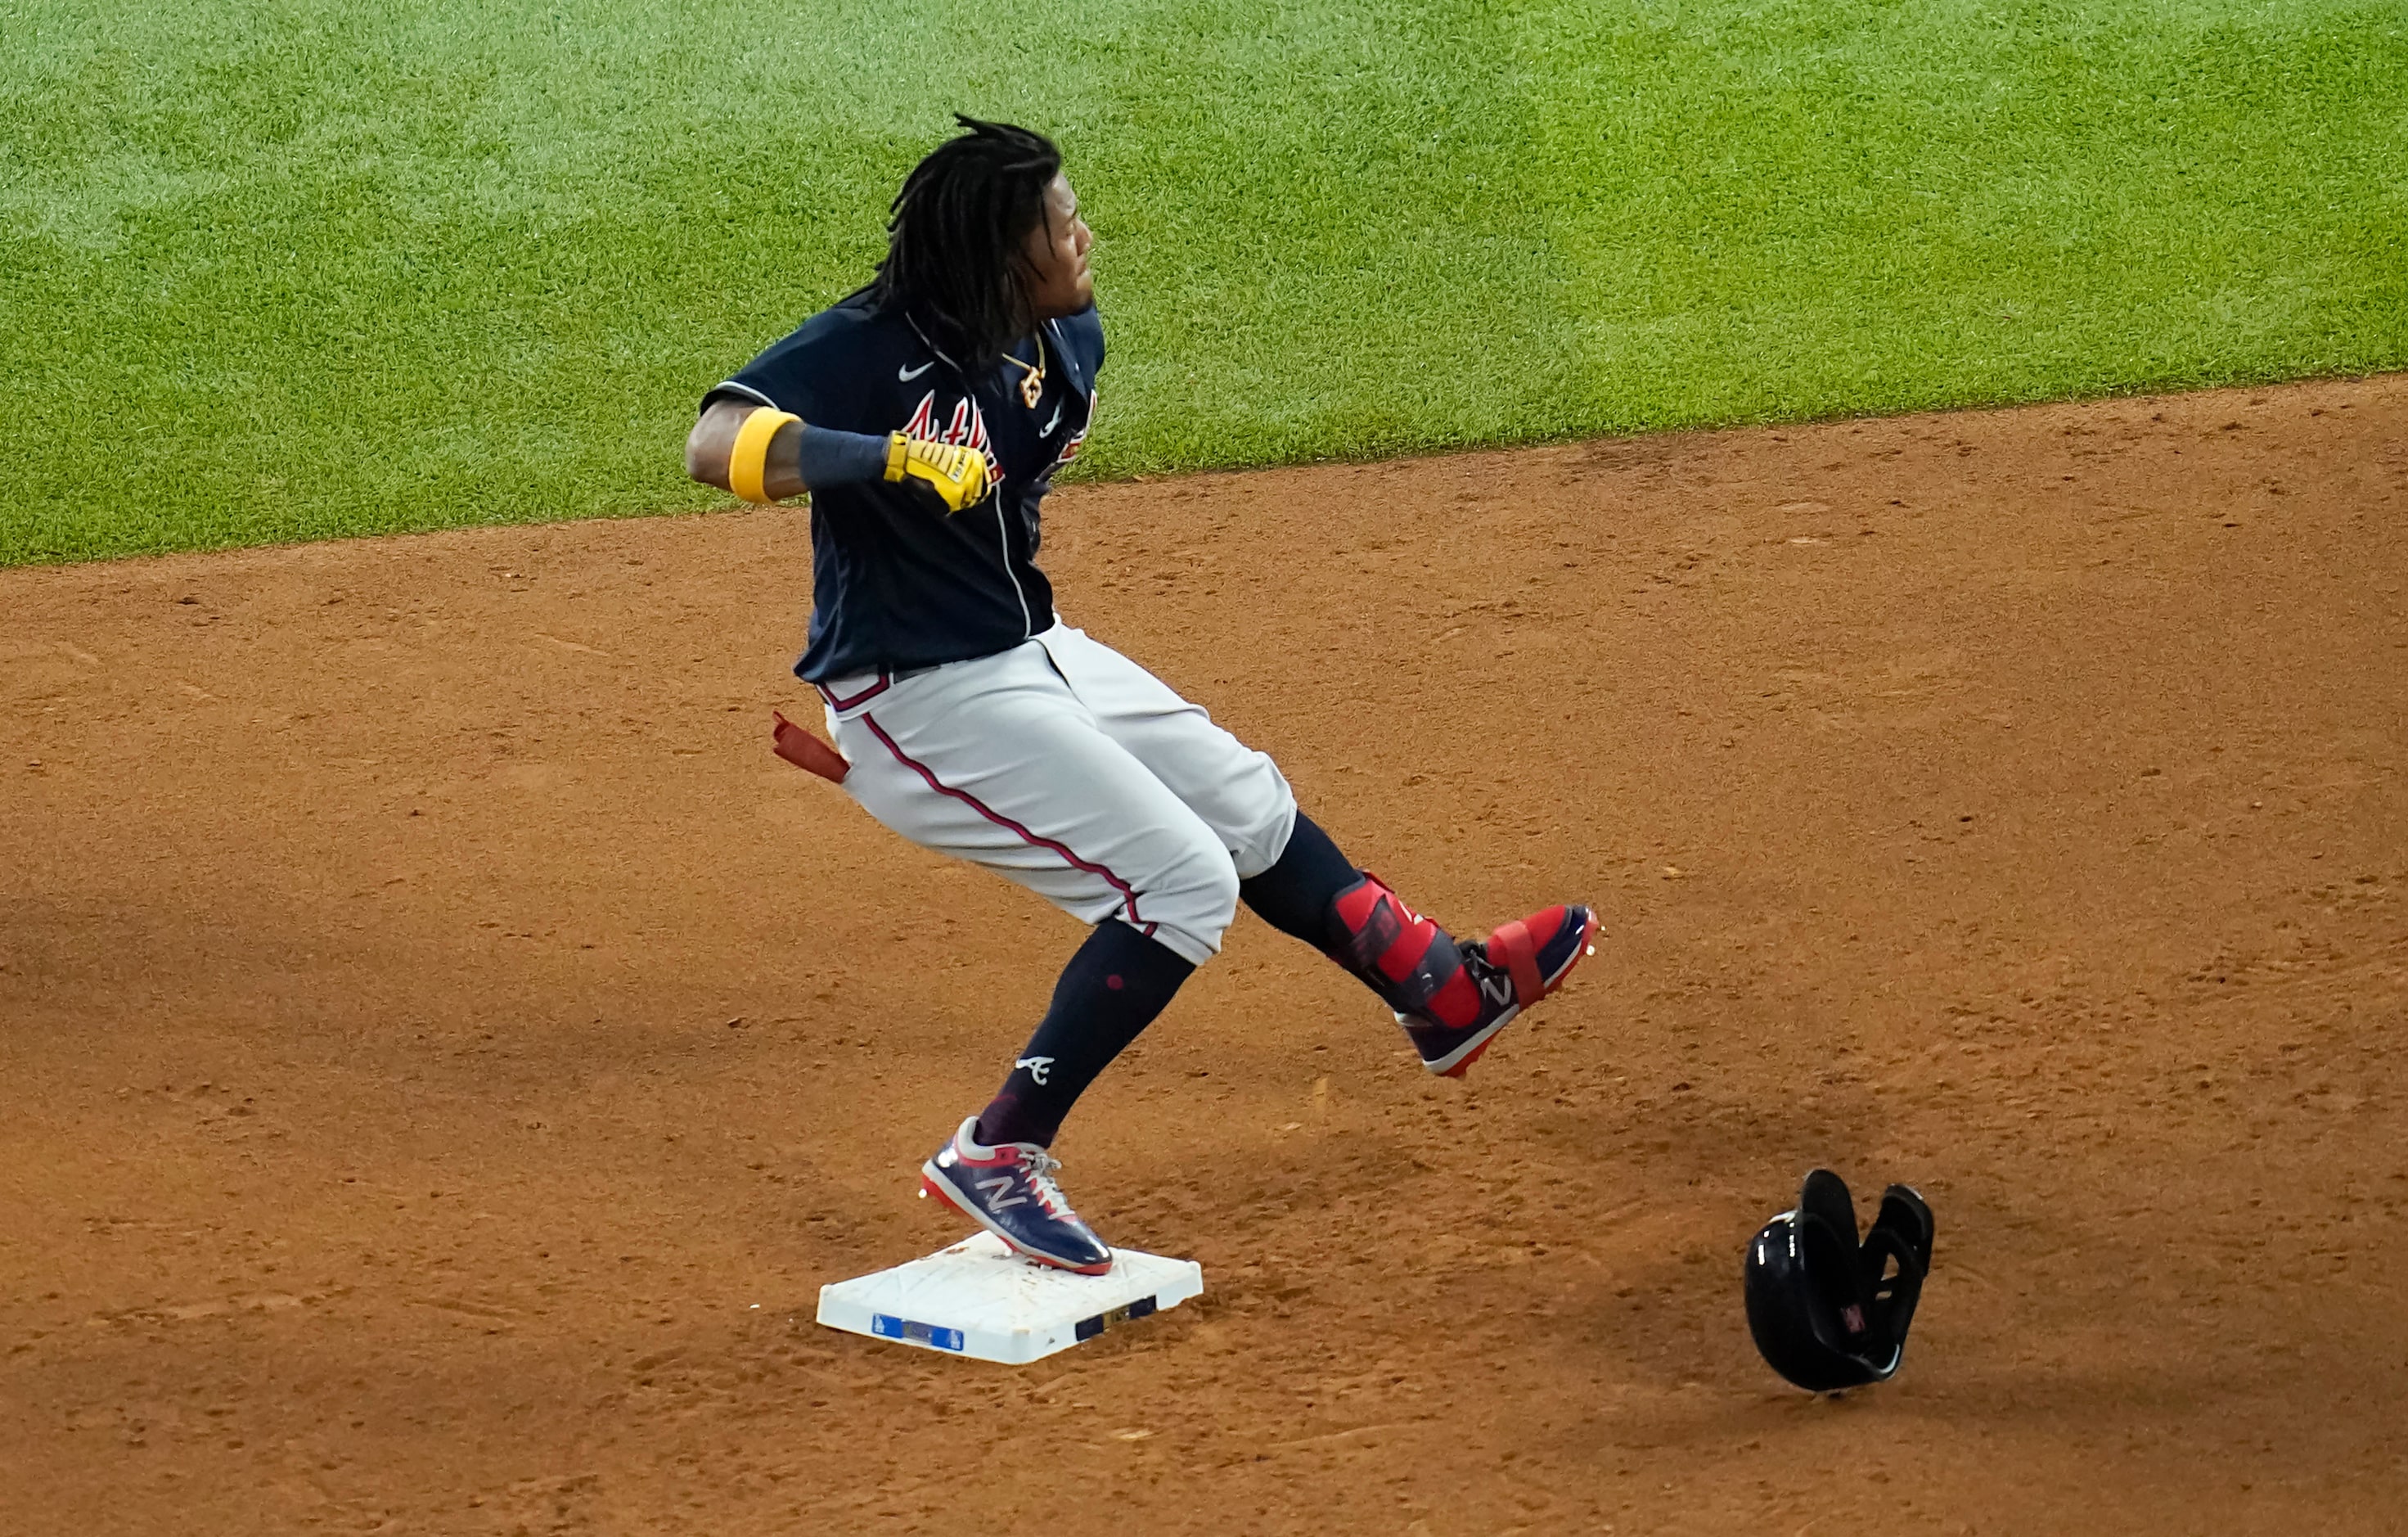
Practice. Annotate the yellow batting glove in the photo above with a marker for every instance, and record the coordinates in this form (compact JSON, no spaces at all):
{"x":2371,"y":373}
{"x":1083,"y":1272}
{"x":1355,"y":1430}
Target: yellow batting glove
{"x":955,"y":473}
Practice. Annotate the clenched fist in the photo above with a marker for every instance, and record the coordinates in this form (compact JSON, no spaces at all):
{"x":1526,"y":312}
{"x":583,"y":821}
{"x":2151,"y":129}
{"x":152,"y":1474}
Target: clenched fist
{"x":955,"y":473}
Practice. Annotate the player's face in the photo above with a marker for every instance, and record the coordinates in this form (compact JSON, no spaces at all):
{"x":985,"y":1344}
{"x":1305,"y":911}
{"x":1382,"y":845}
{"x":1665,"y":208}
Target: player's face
{"x":1057,"y":255}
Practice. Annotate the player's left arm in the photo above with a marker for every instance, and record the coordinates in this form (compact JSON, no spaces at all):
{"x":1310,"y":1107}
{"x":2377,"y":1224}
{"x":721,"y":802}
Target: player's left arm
{"x":710,"y":448}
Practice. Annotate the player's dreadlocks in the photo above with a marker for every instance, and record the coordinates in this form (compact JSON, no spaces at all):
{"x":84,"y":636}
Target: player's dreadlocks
{"x":955,"y":245}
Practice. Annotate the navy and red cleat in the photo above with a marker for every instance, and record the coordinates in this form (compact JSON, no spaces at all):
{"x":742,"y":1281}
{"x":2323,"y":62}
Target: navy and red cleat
{"x":1010,"y":1191}
{"x":1452,"y":997}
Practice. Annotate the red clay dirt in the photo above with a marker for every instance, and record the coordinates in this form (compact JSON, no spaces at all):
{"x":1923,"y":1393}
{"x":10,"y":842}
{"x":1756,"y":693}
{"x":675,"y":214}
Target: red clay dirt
{"x":443,"y":1052}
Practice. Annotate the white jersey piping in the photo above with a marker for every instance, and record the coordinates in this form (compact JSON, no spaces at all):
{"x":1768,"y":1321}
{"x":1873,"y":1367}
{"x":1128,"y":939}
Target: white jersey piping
{"x":747,"y":389}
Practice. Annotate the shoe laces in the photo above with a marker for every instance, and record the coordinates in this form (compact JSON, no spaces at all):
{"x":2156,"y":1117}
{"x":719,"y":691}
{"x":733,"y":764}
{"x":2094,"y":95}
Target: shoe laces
{"x":1037,"y":1167}
{"x":1476,"y":961}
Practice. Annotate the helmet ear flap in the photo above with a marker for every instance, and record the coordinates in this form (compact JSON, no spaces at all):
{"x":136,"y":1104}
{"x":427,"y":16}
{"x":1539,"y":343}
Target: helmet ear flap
{"x":1901,"y":1233}
{"x":1824,"y":1195}
{"x":1835,"y":1269}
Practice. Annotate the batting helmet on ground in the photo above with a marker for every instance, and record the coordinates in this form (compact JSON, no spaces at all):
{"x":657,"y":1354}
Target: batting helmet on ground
{"x":1829,"y":1313}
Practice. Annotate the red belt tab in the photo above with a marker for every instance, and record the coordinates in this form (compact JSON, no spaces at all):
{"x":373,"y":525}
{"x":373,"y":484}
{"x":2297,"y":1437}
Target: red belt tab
{"x":804,"y":750}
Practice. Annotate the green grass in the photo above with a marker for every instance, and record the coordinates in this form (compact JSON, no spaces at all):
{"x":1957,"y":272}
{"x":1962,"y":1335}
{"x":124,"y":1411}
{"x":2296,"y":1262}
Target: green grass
{"x":292,"y":269}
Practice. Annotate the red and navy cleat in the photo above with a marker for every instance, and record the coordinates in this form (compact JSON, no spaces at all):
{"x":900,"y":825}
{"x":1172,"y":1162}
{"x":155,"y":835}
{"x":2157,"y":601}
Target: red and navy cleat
{"x":1010,"y":1191}
{"x":1452,"y":997}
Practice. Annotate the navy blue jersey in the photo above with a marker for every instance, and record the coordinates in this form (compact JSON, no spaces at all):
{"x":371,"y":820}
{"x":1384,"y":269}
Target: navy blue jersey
{"x":897,"y":582}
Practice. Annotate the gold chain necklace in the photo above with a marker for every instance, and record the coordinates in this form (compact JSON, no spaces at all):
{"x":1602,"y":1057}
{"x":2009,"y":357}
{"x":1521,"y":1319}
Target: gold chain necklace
{"x":1032,"y":379}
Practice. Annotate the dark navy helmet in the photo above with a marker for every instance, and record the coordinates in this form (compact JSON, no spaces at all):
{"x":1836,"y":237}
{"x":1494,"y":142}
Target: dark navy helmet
{"x":1827,"y":1312}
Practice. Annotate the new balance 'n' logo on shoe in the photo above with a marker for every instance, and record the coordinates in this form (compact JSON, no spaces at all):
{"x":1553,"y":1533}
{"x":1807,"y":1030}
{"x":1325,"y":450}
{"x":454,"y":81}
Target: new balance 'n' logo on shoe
{"x":1010,"y":1191}
{"x":1452,"y":997}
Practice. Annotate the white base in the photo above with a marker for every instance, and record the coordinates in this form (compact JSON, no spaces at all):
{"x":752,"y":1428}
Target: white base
{"x":979,"y":1298}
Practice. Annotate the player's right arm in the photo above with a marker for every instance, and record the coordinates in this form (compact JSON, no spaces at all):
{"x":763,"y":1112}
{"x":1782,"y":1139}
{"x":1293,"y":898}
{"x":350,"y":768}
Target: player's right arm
{"x":767,"y":455}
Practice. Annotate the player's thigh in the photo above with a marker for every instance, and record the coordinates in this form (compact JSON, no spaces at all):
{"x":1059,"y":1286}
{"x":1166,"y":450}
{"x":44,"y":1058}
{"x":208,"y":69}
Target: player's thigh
{"x":1015,"y":776}
{"x":1239,"y":793}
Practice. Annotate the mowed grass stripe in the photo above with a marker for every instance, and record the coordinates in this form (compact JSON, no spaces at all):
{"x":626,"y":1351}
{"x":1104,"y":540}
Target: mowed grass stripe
{"x":296,"y":270}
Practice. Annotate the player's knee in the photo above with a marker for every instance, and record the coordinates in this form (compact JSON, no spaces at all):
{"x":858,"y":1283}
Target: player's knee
{"x":1197,"y":899}
{"x":1219,"y":886}
{"x":1257,"y":845}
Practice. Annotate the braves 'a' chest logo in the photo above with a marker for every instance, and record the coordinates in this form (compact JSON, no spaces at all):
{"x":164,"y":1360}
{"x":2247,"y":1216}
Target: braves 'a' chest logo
{"x":967,"y":427}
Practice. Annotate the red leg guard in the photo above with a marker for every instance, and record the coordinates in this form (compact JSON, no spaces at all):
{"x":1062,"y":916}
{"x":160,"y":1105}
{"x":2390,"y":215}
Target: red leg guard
{"x":1410,"y":962}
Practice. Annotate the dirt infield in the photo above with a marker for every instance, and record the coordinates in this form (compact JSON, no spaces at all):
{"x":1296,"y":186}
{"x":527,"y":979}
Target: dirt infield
{"x":442,"y":1052}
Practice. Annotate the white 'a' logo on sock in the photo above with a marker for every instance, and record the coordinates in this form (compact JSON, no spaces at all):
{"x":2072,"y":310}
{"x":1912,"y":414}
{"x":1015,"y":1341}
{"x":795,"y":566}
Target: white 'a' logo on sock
{"x":1037,"y":1067}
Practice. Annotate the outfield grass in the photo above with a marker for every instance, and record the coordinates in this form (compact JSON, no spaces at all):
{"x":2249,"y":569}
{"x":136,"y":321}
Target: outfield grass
{"x":292,"y":268}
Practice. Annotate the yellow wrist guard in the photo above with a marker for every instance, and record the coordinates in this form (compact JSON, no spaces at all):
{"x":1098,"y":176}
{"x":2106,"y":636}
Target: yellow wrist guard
{"x":749,"y":460}
{"x":955,"y":473}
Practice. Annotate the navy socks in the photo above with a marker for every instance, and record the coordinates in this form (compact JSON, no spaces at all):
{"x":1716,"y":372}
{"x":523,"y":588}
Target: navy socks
{"x":1120,"y":980}
{"x":1294,"y":896}
{"x":1108,"y":994}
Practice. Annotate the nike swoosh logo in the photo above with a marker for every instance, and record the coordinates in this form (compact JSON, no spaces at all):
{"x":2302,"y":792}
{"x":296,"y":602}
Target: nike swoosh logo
{"x":1047,"y":429}
{"x":907,"y":375}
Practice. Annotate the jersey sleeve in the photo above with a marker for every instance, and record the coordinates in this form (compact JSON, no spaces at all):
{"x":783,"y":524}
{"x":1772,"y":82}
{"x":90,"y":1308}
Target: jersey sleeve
{"x":784,"y":377}
{"x":830,"y":372}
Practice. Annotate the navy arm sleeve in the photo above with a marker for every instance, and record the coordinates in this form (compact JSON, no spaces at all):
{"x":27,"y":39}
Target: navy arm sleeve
{"x":829,"y":457}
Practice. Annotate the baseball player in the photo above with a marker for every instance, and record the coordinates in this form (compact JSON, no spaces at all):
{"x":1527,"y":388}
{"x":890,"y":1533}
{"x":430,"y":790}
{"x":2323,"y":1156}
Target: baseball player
{"x":925,"y":414}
